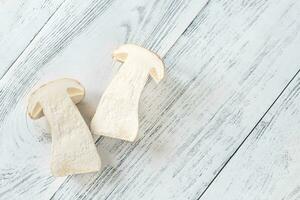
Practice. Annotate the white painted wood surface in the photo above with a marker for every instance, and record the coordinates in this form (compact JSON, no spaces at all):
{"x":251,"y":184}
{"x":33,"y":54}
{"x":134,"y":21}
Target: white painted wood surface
{"x":20,"y":22}
{"x":267,"y":166}
{"x":223,"y":74}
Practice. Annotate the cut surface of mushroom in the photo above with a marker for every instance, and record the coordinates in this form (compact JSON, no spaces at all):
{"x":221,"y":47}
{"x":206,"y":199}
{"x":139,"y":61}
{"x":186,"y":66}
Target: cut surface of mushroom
{"x":117,"y":113}
{"x":73,"y":148}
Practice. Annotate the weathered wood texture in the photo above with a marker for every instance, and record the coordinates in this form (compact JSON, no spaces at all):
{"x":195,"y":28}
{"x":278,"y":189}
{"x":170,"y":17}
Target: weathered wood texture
{"x":76,"y":42}
{"x":223,"y":74}
{"x":267,"y":166}
{"x":20,"y":22}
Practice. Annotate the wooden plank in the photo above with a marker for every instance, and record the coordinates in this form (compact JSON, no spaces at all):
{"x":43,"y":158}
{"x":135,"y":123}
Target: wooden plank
{"x":77,"y":42}
{"x":20,"y":22}
{"x":222,"y":75}
{"x":267,"y":166}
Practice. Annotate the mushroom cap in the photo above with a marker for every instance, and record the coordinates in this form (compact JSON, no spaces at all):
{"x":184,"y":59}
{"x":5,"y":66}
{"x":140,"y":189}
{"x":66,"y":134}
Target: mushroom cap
{"x":74,"y":89}
{"x":147,"y":58}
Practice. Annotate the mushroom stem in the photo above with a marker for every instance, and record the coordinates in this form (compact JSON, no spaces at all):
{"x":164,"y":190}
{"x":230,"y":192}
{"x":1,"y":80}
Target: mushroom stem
{"x":117,"y":113}
{"x":73,"y":147}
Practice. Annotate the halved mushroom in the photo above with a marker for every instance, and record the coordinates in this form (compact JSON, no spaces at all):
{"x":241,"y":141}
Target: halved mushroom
{"x":73,"y":148}
{"x":117,"y":112}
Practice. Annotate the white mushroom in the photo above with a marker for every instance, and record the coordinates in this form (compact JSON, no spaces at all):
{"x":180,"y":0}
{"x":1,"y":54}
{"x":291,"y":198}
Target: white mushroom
{"x":117,"y":112}
{"x":73,"y":148}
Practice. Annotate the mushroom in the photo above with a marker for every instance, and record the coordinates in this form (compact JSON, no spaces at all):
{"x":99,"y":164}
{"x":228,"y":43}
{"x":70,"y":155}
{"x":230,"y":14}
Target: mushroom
{"x":117,"y":113}
{"x":73,"y":148}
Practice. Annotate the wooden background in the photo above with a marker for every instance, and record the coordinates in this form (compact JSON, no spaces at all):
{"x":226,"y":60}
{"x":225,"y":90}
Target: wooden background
{"x":223,"y":124}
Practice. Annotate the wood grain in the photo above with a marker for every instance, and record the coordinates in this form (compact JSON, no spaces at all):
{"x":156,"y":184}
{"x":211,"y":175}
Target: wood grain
{"x":267,"y":166}
{"x":223,"y":74}
{"x":76,"y":42}
{"x":20,"y":22}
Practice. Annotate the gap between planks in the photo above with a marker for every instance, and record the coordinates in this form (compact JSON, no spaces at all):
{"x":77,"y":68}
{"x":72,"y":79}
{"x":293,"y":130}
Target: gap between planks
{"x":31,"y":40}
{"x":252,"y":130}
